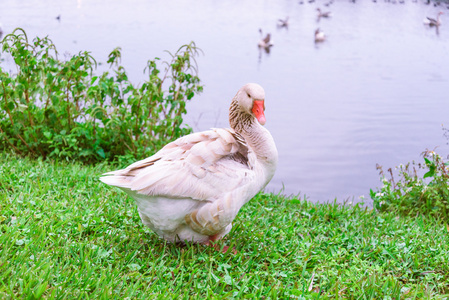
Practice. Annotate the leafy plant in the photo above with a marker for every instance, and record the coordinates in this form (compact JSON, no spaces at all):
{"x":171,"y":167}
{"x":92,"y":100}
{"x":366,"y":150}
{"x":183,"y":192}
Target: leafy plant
{"x":60,"y":109}
{"x":413,"y":193}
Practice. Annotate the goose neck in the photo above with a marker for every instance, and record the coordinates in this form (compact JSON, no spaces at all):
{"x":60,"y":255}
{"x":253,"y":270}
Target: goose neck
{"x":255,"y":135}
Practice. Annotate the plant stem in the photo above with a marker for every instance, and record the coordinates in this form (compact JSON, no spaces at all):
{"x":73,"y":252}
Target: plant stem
{"x":68,"y":105}
{"x":26,"y":144}
{"x":9,"y":143}
{"x":6,"y":105}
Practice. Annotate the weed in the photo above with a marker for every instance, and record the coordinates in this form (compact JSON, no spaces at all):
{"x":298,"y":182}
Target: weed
{"x":413,"y":193}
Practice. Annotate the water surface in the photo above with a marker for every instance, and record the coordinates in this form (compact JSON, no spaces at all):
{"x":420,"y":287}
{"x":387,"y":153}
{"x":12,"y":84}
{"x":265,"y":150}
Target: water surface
{"x":375,"y":92}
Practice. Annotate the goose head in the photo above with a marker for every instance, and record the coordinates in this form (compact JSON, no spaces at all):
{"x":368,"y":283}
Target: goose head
{"x":248,"y":106}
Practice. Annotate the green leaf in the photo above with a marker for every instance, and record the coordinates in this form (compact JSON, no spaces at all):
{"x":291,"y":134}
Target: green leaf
{"x":101,"y":153}
{"x":430,"y":173}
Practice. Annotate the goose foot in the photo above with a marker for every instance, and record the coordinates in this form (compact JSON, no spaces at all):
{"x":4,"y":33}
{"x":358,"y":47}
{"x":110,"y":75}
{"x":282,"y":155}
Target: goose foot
{"x":212,"y":243}
{"x":225,"y":249}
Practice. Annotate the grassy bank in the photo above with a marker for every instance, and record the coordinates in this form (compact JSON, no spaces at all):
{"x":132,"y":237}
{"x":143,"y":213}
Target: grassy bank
{"x":63,"y":234}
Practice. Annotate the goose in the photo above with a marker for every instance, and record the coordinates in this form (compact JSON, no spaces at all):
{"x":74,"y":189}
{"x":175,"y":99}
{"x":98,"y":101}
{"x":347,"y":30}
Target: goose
{"x":319,"y":36}
{"x":323,"y":14}
{"x":193,"y":188}
{"x":432,"y":22}
{"x":266,"y":41}
{"x":283,"y":22}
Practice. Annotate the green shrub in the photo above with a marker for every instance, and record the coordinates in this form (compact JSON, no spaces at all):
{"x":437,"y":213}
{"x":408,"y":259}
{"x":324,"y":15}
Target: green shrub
{"x":412,"y":193}
{"x":60,"y":109}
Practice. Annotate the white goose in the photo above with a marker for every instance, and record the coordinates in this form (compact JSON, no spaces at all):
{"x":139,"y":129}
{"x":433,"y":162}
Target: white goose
{"x":283,"y":22}
{"x":319,"y":36}
{"x":265,"y":42}
{"x":433,"y":22}
{"x":323,"y":14}
{"x":193,"y":188}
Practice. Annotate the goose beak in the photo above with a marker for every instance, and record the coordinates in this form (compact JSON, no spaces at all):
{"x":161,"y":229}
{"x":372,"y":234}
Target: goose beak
{"x":258,"y":108}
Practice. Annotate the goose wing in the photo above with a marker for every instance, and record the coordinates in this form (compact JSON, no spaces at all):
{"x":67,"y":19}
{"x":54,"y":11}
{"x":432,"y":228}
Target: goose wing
{"x":199,"y":166}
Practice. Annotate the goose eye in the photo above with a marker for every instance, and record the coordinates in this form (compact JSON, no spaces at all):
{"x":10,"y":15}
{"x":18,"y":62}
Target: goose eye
{"x":249,"y":96}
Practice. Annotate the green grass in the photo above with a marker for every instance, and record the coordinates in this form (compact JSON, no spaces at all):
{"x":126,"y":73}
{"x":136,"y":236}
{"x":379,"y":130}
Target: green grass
{"x":65,"y":235}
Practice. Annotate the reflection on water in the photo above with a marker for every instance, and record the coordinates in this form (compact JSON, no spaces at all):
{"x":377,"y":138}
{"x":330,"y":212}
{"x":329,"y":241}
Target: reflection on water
{"x":374,"y":91}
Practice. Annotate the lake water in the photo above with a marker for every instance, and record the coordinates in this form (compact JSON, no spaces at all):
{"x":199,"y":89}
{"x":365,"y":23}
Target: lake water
{"x":376,"y":91}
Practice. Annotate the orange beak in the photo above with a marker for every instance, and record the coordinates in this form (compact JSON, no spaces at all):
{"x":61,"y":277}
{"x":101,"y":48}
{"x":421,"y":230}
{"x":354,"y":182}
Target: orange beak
{"x":258,"y":108}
